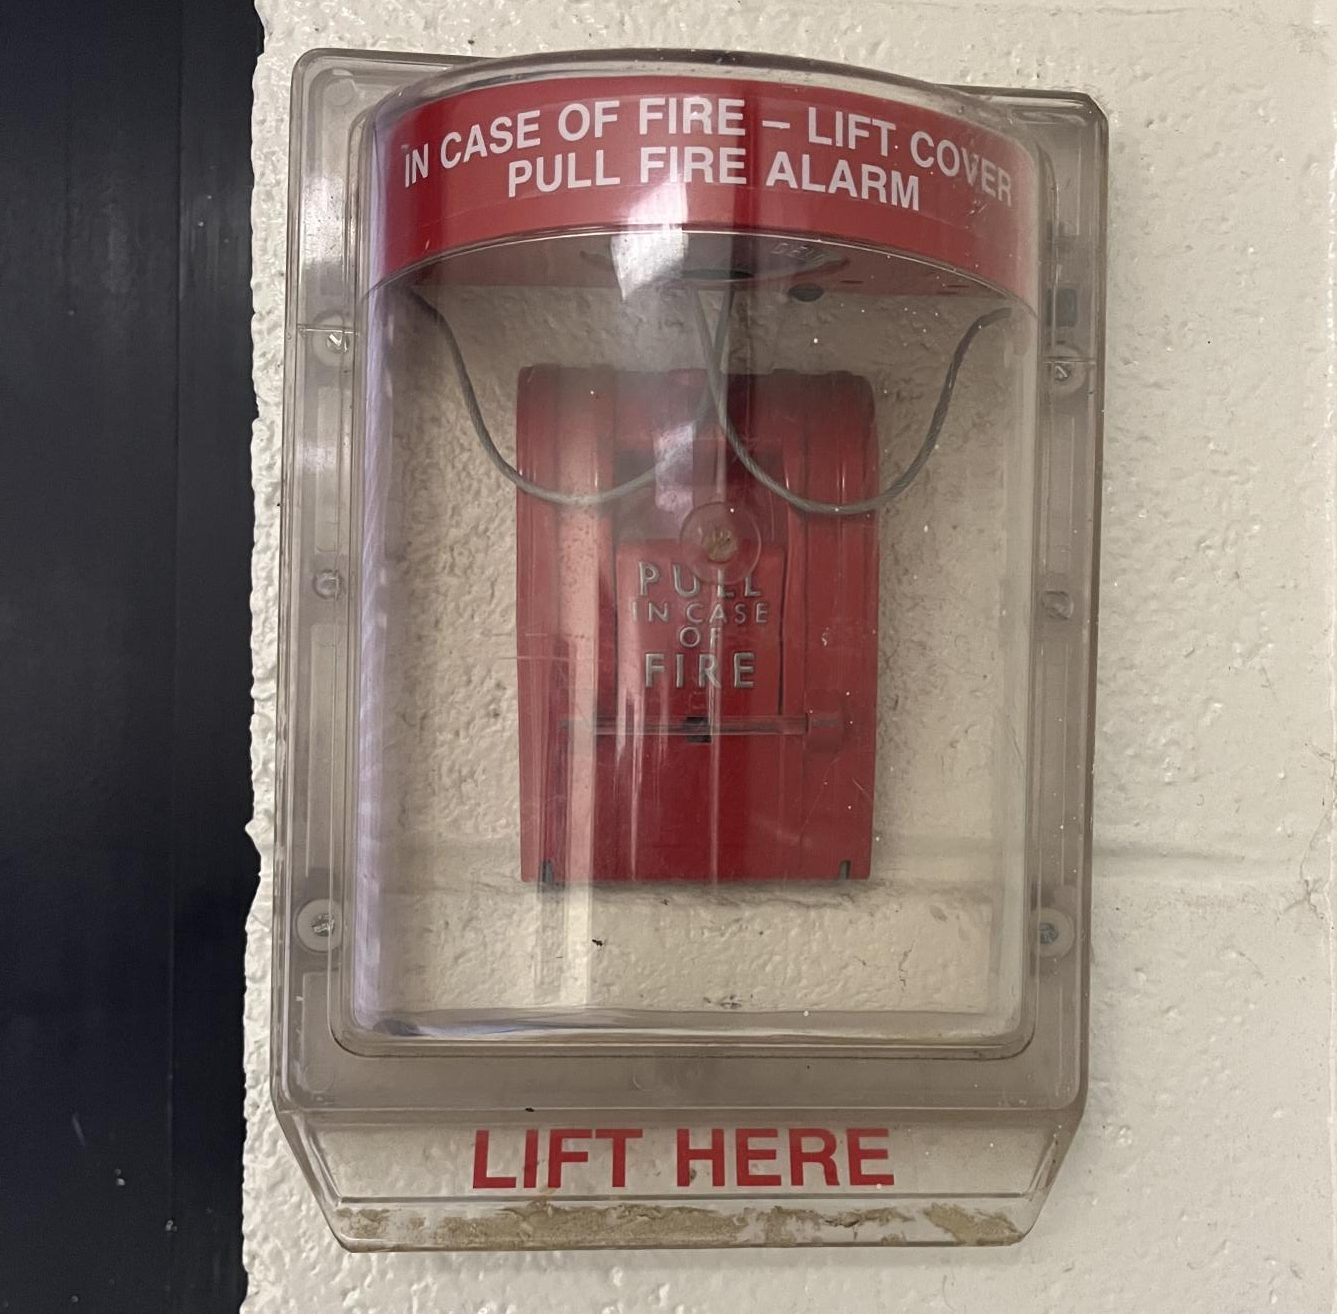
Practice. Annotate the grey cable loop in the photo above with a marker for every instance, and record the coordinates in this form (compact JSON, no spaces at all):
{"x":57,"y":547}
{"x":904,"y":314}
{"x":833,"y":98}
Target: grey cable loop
{"x":600,"y":497}
{"x":902,"y":481}
{"x":714,"y":398}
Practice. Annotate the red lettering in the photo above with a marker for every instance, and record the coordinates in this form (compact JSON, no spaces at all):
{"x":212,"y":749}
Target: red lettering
{"x":531,"y":1167}
{"x":482,"y":1178}
{"x":558,"y":1154}
{"x":687,"y":1155}
{"x":824,"y":1156}
{"x":746,"y":1154}
{"x":861,"y":1154}
{"x":619,"y":1137}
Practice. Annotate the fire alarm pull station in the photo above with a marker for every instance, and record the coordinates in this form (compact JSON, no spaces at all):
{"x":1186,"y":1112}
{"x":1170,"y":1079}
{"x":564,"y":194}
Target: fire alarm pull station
{"x":685,"y":718}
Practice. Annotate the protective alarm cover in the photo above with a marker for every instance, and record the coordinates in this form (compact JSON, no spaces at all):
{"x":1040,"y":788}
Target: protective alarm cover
{"x":690,"y":511}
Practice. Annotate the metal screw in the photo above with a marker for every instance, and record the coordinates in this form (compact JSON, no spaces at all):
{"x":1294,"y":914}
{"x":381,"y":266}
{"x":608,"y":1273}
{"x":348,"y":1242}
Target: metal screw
{"x":1056,"y":933}
{"x":318,"y":926}
{"x":1057,"y":603}
{"x":332,"y":342}
{"x":1067,"y":373}
{"x":327,"y":584}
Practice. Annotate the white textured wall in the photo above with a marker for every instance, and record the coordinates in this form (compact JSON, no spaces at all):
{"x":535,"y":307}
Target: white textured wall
{"x":1202,"y":1177}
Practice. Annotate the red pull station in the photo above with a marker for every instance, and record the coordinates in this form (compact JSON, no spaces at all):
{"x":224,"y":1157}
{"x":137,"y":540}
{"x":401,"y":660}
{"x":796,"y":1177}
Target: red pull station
{"x":698,"y":659}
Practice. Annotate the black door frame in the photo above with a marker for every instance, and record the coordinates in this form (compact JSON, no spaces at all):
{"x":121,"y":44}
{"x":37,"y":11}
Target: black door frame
{"x":125,"y":535}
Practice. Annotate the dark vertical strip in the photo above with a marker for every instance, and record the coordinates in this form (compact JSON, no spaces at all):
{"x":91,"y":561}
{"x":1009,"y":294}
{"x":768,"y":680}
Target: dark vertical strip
{"x":215,"y":863}
{"x":125,"y":524}
{"x":88,"y":394}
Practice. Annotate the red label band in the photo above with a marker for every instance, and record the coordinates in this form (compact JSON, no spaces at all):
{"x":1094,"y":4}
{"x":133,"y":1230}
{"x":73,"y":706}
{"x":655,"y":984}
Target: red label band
{"x":634,"y":151}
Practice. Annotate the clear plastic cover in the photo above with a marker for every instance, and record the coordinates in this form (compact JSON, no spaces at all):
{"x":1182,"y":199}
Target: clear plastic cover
{"x":647,"y":739}
{"x":689,"y":650}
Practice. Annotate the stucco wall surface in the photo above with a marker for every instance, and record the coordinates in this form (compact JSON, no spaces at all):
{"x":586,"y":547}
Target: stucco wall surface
{"x":1202,"y":1178}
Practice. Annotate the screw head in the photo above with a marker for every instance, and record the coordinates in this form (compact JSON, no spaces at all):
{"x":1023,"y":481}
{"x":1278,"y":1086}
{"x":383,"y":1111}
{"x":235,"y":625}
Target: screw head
{"x":318,"y":926}
{"x":1057,"y":603}
{"x":332,"y":342}
{"x":1066,"y":372}
{"x":1055,"y":933}
{"x":327,"y":584}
